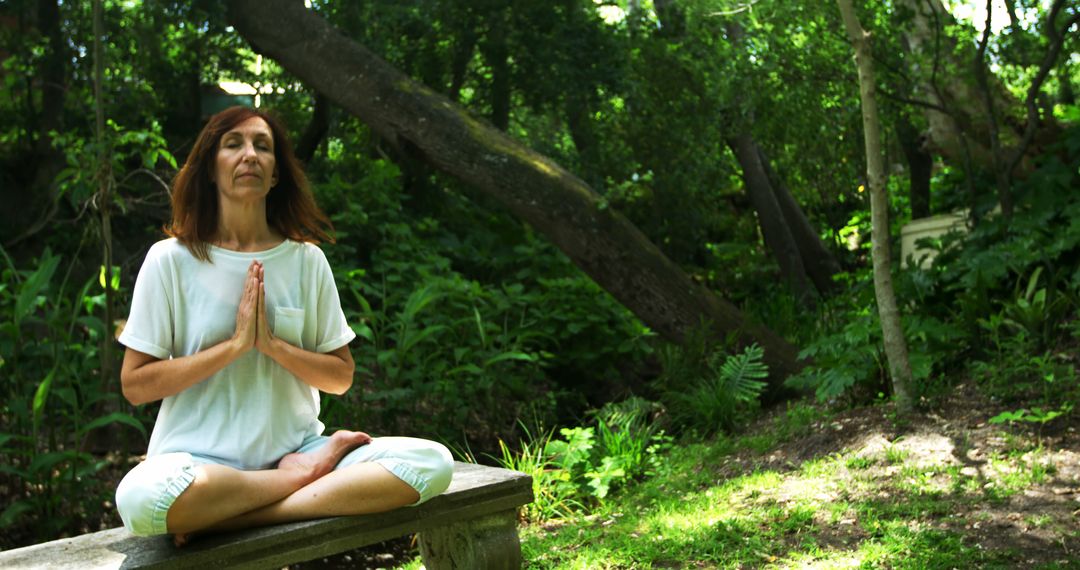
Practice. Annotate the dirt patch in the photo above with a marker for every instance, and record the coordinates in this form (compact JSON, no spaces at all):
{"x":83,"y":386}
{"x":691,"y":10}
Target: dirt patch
{"x":1005,"y":489}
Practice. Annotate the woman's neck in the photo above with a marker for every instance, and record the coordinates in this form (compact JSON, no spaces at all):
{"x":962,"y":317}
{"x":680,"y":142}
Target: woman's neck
{"x":244,"y":228}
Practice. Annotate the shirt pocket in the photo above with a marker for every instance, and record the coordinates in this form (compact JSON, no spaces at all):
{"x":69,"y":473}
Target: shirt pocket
{"x":289,"y":325}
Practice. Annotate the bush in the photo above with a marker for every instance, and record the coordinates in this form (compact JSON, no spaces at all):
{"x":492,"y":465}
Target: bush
{"x":589,"y":462}
{"x":53,"y":397}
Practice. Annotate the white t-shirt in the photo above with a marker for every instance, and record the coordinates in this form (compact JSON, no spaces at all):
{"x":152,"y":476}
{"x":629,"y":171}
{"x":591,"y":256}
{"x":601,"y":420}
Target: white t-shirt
{"x":253,"y":411}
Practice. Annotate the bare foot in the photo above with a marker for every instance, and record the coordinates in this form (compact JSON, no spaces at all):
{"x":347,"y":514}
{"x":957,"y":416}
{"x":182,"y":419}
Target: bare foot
{"x":181,"y":539}
{"x":322,"y":461}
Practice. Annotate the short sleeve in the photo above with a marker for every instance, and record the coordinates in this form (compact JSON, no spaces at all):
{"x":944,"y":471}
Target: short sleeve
{"x":333,"y":331}
{"x":149,"y":327}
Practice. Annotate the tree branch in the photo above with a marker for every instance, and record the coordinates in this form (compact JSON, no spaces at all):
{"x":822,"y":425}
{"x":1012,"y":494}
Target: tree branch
{"x":1057,"y":40}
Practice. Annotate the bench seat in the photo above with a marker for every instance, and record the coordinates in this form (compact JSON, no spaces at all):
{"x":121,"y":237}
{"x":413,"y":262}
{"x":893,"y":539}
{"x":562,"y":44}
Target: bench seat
{"x":472,"y":525}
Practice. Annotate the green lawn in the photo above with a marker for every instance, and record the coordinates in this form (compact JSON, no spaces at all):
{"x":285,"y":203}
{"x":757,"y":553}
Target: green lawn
{"x":939,"y":496}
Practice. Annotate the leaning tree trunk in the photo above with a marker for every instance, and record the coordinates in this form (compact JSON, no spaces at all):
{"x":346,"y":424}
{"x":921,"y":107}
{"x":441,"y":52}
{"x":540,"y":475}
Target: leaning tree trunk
{"x":774,"y":228}
{"x":783,"y":224}
{"x":891,"y":330}
{"x":820,"y":263}
{"x":598,"y":239}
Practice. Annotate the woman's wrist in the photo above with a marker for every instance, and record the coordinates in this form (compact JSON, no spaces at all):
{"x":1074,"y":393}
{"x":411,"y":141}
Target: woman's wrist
{"x":272,"y":347}
{"x":236,"y":347}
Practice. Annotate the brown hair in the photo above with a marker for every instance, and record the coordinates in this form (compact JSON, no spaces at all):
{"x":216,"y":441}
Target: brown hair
{"x":290,"y":205}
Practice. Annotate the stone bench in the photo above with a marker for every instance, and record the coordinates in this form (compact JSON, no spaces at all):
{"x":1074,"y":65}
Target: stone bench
{"x":472,"y":525}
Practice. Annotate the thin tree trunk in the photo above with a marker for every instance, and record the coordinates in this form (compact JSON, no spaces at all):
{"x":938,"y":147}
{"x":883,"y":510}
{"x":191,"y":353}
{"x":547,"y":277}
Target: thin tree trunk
{"x":891,"y":329}
{"x":777,"y":215}
{"x":920,"y":167}
{"x":774,"y":227}
{"x":579,"y":123}
{"x":1066,"y":93}
{"x":1032,"y":122}
{"x":819,"y":262}
{"x":459,"y":63}
{"x":1001,"y":176}
{"x":315,"y":131}
{"x":53,"y":76}
{"x":602,"y":242}
{"x":497,"y":56}
{"x":104,"y":197}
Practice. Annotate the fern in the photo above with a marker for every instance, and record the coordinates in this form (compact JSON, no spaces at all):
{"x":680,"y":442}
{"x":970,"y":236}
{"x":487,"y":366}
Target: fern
{"x":728,"y":386}
{"x":740,"y":374}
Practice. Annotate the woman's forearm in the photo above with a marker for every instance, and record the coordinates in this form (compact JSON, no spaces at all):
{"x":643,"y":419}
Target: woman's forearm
{"x":145,"y":379}
{"x":331,"y":372}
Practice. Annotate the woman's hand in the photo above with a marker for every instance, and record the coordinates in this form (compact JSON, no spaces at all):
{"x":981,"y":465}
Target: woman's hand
{"x":330,"y":372}
{"x":248,"y":315}
{"x":264,"y":337}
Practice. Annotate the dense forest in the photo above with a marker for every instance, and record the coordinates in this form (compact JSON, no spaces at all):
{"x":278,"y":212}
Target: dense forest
{"x":577,"y":238}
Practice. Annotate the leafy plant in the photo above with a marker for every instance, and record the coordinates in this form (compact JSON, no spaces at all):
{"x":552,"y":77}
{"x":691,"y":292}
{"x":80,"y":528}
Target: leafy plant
{"x":553,"y":492}
{"x":729,"y":386}
{"x":1034,"y":415}
{"x":53,"y":397}
{"x":588,"y":463}
{"x":1034,"y":310}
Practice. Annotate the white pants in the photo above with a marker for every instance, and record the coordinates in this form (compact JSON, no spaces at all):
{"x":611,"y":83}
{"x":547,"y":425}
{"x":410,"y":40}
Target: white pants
{"x":148,"y":491}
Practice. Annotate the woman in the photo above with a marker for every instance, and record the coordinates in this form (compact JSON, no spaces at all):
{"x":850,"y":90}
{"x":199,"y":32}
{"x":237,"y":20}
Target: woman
{"x":236,"y":324}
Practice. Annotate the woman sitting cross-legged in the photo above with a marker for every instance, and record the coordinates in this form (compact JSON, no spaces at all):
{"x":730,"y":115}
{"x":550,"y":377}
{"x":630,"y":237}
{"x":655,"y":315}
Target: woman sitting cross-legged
{"x":236,"y":325}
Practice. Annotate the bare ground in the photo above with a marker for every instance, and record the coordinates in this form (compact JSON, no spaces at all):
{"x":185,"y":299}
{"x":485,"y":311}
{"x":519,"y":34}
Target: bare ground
{"x":1002,"y":488}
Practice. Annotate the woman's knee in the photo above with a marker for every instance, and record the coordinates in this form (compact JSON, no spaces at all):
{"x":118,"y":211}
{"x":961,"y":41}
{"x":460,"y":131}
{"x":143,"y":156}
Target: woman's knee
{"x":424,"y":465}
{"x":440,"y":470}
{"x":145,"y":494}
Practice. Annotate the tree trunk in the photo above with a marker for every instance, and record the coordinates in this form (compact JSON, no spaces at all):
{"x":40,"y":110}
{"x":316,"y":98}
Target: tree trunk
{"x":579,"y":123}
{"x":1066,"y":95}
{"x":819,"y":262}
{"x":459,"y":63}
{"x":315,"y":131}
{"x":920,"y":167}
{"x":891,"y":330}
{"x":497,"y":55}
{"x":774,"y":228}
{"x":945,"y":80}
{"x":603,"y":243}
{"x":786,"y":231}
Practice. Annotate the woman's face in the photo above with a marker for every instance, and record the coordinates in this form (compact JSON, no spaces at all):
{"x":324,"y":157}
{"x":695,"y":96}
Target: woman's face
{"x":245,"y":167}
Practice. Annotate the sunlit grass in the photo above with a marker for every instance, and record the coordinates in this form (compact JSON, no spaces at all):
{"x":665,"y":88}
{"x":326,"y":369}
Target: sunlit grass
{"x":903,"y":505}
{"x":841,"y":511}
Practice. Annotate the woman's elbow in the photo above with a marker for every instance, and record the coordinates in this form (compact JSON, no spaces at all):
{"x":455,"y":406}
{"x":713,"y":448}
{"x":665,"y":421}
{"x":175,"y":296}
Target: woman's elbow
{"x":344,"y":378}
{"x":342,"y":385}
{"x":130,"y":391}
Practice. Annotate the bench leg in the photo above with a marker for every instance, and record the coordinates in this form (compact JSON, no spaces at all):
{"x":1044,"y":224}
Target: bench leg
{"x":489,"y":542}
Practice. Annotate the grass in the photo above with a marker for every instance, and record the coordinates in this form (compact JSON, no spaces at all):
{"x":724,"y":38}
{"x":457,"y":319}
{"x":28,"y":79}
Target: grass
{"x":720,"y":504}
{"x":883,"y":510}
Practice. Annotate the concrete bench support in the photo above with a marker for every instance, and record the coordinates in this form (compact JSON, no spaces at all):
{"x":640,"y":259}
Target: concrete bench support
{"x":472,"y":525}
{"x":490,"y":541}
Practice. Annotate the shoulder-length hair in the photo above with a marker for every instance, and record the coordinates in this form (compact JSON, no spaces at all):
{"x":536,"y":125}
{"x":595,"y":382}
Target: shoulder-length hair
{"x":290,"y":205}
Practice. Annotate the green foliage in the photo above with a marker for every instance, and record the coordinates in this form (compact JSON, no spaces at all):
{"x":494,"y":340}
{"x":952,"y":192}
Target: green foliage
{"x":1035,"y":415}
{"x":553,"y":494}
{"x":1033,"y":311}
{"x":53,"y":397}
{"x":468,"y":355}
{"x":468,"y":319}
{"x":587,"y":463}
{"x":719,"y":397}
